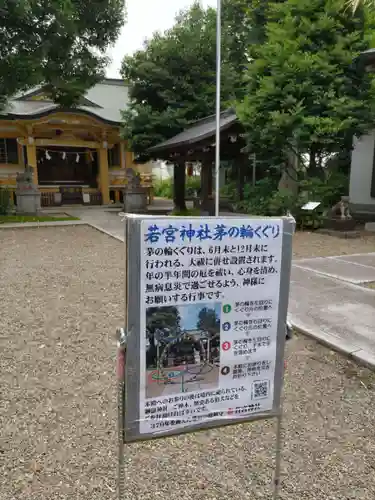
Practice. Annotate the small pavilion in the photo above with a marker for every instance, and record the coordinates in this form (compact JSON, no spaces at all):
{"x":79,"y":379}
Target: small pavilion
{"x":197,"y":144}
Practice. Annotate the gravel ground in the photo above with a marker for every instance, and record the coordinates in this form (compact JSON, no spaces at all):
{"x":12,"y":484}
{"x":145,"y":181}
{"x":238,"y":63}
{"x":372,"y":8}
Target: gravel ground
{"x":62,"y":297}
{"x":318,"y":245}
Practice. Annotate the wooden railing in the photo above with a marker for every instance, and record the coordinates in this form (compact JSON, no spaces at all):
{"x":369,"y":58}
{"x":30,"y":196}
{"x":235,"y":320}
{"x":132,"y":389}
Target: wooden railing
{"x":47,"y":199}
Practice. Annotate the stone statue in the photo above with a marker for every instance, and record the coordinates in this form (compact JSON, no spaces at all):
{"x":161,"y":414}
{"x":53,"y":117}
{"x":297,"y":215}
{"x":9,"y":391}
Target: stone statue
{"x":25,"y":178}
{"x":341,"y":209}
{"x":133,"y":179}
{"x":27,"y":193}
{"x":339,"y":220}
{"x":135,"y":195}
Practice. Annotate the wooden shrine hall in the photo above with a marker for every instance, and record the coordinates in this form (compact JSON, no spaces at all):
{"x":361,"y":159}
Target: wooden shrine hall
{"x":77,"y":154}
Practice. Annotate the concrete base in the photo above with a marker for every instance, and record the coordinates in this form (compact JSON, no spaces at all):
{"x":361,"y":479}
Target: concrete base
{"x":370,"y":226}
{"x":28,"y":202}
{"x":363,"y":213}
{"x":339,"y":224}
{"x":135,"y":201}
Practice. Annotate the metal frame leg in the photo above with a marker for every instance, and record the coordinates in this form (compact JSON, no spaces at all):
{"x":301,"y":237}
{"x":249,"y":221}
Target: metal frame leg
{"x":121,"y":355}
{"x":277,"y":478}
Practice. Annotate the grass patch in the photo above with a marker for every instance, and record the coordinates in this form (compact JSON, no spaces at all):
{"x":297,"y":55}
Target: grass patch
{"x":19,"y":219}
{"x":367,"y":284}
{"x":189,"y":212}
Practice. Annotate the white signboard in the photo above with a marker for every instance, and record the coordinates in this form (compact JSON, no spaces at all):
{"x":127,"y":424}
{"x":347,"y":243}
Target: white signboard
{"x":213,"y":286}
{"x":311,"y":205}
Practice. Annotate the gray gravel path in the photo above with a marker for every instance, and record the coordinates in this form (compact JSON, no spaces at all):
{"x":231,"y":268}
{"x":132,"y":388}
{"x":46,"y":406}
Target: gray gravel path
{"x":61,"y":296}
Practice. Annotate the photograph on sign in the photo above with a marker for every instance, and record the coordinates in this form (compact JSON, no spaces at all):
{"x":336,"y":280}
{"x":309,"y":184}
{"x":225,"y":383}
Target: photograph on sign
{"x":182,"y":348}
{"x":209,"y":321}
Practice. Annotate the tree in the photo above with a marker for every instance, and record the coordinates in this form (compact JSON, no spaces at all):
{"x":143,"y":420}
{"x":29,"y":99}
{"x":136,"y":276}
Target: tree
{"x":59,"y":43}
{"x":162,"y":317}
{"x":208,"y":321}
{"x":172,"y":81}
{"x":304,"y":95}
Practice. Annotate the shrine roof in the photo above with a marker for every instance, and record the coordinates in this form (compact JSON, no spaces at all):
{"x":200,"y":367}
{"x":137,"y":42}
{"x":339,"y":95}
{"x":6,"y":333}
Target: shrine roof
{"x":197,"y":131}
{"x":104,"y":101}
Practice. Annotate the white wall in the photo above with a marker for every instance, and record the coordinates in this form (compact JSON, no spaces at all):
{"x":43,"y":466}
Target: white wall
{"x":161,"y":170}
{"x":361,"y":170}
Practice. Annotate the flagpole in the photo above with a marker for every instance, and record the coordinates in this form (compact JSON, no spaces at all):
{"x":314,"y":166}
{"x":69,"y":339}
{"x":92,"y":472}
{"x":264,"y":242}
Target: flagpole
{"x":218,"y":81}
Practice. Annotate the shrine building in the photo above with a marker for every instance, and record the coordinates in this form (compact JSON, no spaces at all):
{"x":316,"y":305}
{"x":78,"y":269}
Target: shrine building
{"x":77,"y":154}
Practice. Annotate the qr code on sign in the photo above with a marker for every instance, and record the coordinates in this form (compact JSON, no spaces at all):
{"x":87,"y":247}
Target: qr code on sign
{"x":260,"y":389}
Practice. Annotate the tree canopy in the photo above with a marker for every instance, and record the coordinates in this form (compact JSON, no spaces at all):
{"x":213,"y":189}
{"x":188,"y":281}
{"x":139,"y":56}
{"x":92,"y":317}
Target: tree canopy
{"x":172,"y":80}
{"x":303,"y":93}
{"x":163,"y":317}
{"x":209,"y":321}
{"x":59,"y":43}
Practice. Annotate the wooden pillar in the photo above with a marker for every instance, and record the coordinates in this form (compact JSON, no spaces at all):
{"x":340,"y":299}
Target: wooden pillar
{"x":123,"y":163}
{"x":117,"y":196}
{"x":206,"y":183}
{"x":179,"y":180}
{"x":203,"y":183}
{"x":21,"y":159}
{"x":32,"y":159}
{"x":209,"y":179}
{"x":129,"y":159}
{"x":104,"y":173}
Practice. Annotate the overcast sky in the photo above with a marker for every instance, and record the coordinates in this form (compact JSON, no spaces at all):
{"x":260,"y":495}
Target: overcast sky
{"x":144,"y":18}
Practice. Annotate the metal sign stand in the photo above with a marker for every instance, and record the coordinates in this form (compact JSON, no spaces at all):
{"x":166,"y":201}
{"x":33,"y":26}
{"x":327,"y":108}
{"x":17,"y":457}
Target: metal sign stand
{"x":122,"y":336}
{"x":121,"y":473}
{"x":121,"y":400}
{"x":277,"y":478}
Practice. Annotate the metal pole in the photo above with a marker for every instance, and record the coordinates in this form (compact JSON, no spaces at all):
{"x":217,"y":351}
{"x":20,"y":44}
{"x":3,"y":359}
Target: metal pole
{"x":121,"y":355}
{"x":277,"y":479}
{"x":158,"y":360}
{"x":121,"y":337}
{"x":218,"y":82}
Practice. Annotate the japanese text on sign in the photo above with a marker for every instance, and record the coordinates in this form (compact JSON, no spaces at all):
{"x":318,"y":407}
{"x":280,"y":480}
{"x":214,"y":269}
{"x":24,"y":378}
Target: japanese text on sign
{"x":209,"y":320}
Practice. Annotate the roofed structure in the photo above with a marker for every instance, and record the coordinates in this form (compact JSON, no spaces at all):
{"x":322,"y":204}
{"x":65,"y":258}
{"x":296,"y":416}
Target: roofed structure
{"x":197,"y":143}
{"x":198,"y":131}
{"x":104,"y":101}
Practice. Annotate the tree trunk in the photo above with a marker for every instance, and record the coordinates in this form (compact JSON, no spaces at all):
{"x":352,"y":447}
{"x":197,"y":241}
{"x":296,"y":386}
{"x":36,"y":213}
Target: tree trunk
{"x":314,"y":169}
{"x":179,"y":181}
{"x":288,"y":180}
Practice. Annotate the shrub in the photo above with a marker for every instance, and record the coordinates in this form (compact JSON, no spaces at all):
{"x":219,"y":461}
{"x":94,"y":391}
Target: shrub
{"x":164,"y":188}
{"x":328,"y":191}
{"x":256,"y":198}
{"x":265,"y":199}
{"x":5,"y":201}
{"x":192,"y":212}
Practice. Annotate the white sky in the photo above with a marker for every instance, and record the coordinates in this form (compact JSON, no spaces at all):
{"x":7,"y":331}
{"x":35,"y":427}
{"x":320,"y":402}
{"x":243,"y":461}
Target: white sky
{"x":144,"y":18}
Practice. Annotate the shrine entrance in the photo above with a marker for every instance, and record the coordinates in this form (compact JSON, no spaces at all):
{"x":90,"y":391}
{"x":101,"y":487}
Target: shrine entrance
{"x":71,"y":170}
{"x":67,"y":167}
